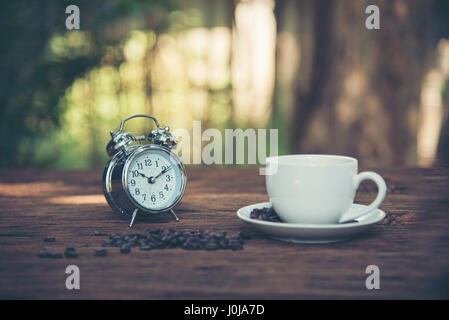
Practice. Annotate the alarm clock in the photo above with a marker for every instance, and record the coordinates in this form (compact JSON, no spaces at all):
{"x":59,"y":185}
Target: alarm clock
{"x":143,"y":174}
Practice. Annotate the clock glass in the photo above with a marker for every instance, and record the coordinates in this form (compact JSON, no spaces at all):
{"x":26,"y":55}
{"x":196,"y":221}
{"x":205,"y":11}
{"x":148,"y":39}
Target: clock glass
{"x":154,"y":180}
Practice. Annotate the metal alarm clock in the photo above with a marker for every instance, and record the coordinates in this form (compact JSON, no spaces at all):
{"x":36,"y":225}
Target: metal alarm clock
{"x":139,"y":177}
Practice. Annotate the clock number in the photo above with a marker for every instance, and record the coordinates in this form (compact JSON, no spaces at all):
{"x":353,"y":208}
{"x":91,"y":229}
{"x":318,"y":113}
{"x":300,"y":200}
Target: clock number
{"x":133,"y":182}
{"x":167,"y":178}
{"x":144,"y":196}
{"x":157,"y":164}
{"x":166,"y":187}
{"x":161,"y":194}
{"x":147,"y":162}
{"x":139,"y":166}
{"x":135,"y":174}
{"x":137,"y":191}
{"x":153,"y":198}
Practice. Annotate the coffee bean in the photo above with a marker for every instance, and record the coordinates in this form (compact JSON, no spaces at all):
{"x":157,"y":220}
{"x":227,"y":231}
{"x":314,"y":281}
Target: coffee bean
{"x":188,"y":239}
{"x":107,"y":243}
{"x":49,"y":239}
{"x":211,"y":246}
{"x":223,"y":244}
{"x":70,"y":252}
{"x":159,"y":238}
{"x":44,"y":254}
{"x":125,"y":249}
{"x":100,"y":252}
{"x":265,"y":214}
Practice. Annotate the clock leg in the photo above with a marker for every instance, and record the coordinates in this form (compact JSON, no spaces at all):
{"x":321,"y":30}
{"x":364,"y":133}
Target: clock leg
{"x":131,"y":223}
{"x":174,"y":215}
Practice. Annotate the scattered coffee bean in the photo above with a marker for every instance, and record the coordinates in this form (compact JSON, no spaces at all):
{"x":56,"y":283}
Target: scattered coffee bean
{"x":211,"y":246}
{"x":70,"y":252}
{"x":100,"y":252}
{"x":393,"y":219}
{"x":244,"y":235}
{"x":44,"y":254}
{"x":125,"y":249}
{"x":49,"y":239}
{"x":150,"y":239}
{"x":160,"y":238}
{"x":265,"y":214}
{"x":107,"y":243}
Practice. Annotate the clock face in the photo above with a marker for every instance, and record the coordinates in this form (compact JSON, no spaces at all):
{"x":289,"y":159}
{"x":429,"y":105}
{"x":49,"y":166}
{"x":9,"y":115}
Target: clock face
{"x":154,"y":179}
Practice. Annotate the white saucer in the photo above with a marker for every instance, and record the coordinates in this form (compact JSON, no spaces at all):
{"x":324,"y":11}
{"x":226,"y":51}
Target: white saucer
{"x":311,"y":233}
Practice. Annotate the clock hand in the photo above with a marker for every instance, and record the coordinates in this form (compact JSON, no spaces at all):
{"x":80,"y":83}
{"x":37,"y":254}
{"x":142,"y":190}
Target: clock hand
{"x":149,"y":179}
{"x":163,"y":171}
{"x":141,"y":174}
{"x":153,"y":179}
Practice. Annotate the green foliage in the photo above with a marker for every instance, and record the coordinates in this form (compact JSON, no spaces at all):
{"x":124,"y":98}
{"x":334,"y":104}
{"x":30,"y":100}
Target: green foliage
{"x":62,"y":91}
{"x":40,"y":59}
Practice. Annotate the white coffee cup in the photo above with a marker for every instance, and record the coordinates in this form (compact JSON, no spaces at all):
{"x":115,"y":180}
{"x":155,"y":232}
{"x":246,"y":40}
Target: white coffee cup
{"x":317,"y":189}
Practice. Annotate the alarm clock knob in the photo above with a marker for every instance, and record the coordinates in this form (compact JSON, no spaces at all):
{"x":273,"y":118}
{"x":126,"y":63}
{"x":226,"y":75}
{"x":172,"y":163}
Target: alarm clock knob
{"x":119,"y":142}
{"x":162,"y":136}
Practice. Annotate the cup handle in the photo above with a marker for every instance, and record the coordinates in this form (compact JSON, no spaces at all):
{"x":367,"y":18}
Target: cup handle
{"x":382,"y":191}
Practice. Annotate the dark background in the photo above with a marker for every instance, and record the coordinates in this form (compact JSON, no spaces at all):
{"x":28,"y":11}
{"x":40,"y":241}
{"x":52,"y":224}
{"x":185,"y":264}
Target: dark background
{"x":309,"y":68}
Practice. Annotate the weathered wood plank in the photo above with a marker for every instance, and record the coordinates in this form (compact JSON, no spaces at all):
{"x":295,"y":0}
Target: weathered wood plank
{"x":411,"y":248}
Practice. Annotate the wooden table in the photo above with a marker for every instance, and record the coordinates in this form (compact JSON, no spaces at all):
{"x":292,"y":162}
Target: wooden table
{"x":411,"y":247}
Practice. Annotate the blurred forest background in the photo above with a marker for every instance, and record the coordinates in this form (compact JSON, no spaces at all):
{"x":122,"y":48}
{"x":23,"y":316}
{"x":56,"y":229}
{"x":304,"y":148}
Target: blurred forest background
{"x":309,"y":68}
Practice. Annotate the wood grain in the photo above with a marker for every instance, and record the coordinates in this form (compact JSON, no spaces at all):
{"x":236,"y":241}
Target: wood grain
{"x":411,"y":247}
